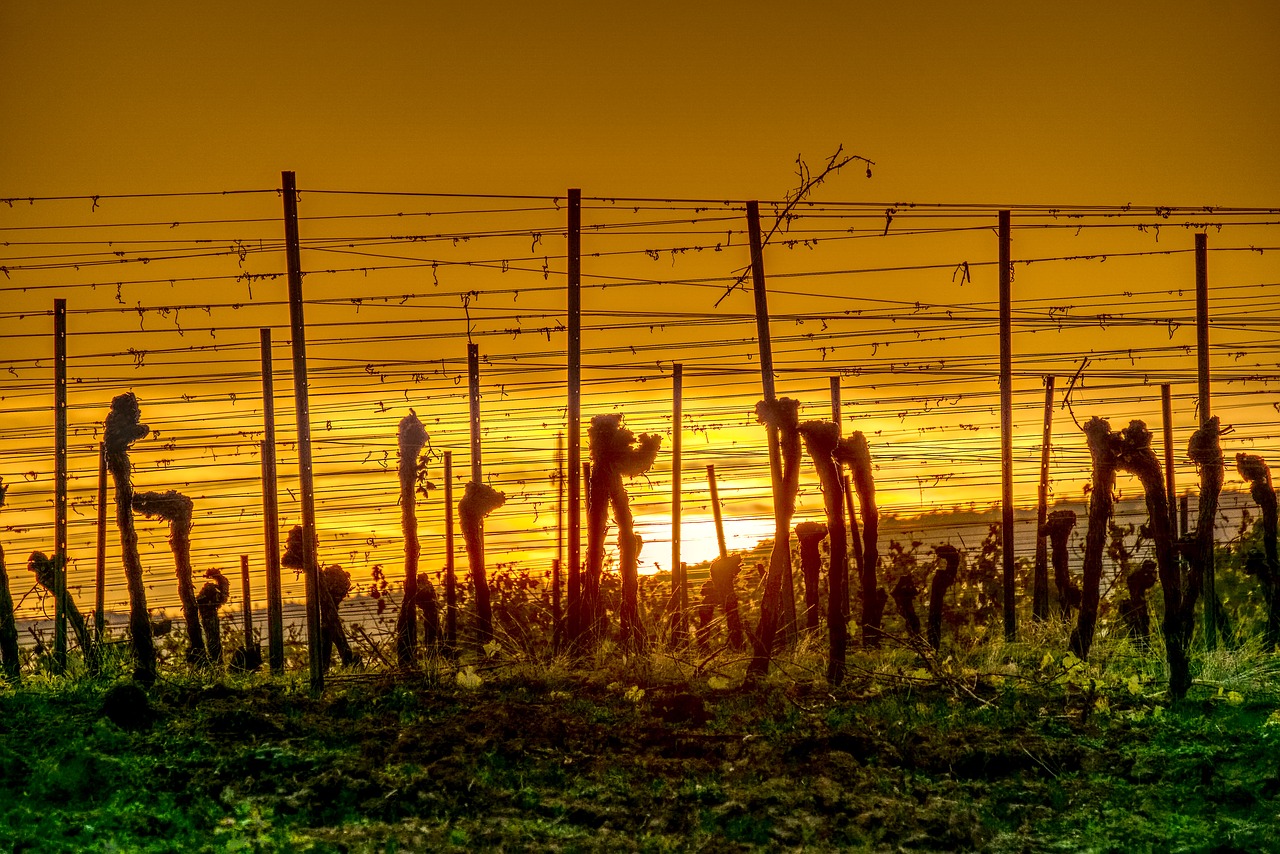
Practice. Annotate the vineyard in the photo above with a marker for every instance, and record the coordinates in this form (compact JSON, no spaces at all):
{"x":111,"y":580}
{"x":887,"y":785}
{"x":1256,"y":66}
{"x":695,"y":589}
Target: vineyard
{"x":618,"y":465}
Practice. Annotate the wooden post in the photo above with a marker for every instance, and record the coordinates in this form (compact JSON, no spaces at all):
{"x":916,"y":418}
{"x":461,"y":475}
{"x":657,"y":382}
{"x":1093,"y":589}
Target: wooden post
{"x":574,"y":268}
{"x":680,"y":591}
{"x":450,"y":577}
{"x":271,"y":512}
{"x":302,"y":406}
{"x":249,"y":642}
{"x":855,"y":536}
{"x":60,"y":485}
{"x":473,"y":396}
{"x":1166,"y":411}
{"x":557,"y":627}
{"x":100,"y":560}
{"x":852,"y":527}
{"x":1208,"y":585}
{"x":779,"y":590}
{"x":1184,"y":514}
{"x":715,"y":509}
{"x":1006,"y":426}
{"x":1040,"y":583}
{"x":1202,"y":327}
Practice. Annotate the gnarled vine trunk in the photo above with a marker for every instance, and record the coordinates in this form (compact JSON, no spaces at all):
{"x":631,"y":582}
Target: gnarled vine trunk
{"x":718,"y":592}
{"x":1205,"y":450}
{"x":10,"y":659}
{"x":426,"y":601}
{"x":1134,"y":610}
{"x":46,"y":571}
{"x":1130,"y":451}
{"x":1254,"y":470}
{"x":943,"y":578}
{"x":1103,"y":451}
{"x":857,"y":454}
{"x":411,"y":439}
{"x":821,"y":439}
{"x":782,"y":415}
{"x":615,"y":453}
{"x":478,"y":501}
{"x":122,"y":428}
{"x":904,"y":596}
{"x":212,"y":596}
{"x":1057,"y":527}
{"x":810,"y":536}
{"x":334,"y":584}
{"x":176,"y":509}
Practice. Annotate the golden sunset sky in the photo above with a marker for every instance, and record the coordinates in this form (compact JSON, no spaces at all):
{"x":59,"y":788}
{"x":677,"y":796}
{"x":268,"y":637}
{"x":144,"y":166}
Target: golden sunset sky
{"x":434,"y":145}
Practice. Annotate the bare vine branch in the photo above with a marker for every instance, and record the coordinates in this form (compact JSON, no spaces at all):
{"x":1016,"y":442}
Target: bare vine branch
{"x":808,"y":183}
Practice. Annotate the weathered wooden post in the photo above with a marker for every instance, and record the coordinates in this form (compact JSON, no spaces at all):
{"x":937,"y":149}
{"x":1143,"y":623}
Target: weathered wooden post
{"x":302,"y":407}
{"x":1208,"y":583}
{"x":1040,"y":583}
{"x":100,"y":556}
{"x":1166,"y":411}
{"x":680,"y":587}
{"x":60,"y":485}
{"x":1006,"y":426}
{"x":271,"y":512}
{"x":574,"y":270}
{"x":778,"y":578}
{"x":450,"y":568}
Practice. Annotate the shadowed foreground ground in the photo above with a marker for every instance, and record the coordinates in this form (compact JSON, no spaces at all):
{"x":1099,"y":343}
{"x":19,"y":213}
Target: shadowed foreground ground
{"x":575,"y":764}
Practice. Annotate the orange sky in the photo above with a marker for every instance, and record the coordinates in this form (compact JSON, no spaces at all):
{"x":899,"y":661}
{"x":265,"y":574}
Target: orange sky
{"x":1008,"y":103}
